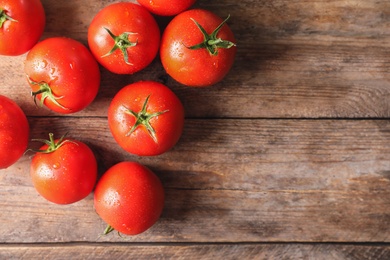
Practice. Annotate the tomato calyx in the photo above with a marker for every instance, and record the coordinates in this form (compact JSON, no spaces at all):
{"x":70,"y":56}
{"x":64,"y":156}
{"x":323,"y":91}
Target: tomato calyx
{"x":211,"y":42}
{"x":143,"y":118}
{"x":122,"y":43}
{"x":4,"y":17}
{"x":51,"y":143}
{"x":46,"y":92}
{"x":108,"y":230}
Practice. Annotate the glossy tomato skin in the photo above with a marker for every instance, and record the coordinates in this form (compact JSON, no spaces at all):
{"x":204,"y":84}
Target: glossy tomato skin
{"x":70,"y":70}
{"x":19,"y":36}
{"x":129,"y":197}
{"x":197,"y":68}
{"x":66,"y":175}
{"x":14,"y":132}
{"x":166,"y":8}
{"x":120,"y":18}
{"x":168,"y":126}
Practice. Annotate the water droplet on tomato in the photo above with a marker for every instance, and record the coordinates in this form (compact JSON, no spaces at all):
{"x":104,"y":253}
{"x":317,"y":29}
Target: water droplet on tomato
{"x":56,"y":165}
{"x":40,"y":65}
{"x":53,"y":74}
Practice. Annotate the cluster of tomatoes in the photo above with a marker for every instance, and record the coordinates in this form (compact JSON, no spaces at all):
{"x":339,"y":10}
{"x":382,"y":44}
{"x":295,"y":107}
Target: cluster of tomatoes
{"x":145,"y":118}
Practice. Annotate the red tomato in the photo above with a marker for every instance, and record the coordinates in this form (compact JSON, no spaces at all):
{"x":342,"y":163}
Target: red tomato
{"x":64,"y":171}
{"x":129,"y":198}
{"x":21,"y":25}
{"x":146,"y":118}
{"x":197,"y":48}
{"x":14,"y":132}
{"x":62,"y":74}
{"x":124,"y":38}
{"x":166,"y":8}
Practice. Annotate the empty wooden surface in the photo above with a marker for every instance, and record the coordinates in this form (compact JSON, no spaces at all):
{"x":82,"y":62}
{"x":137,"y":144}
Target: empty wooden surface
{"x":287,"y":158}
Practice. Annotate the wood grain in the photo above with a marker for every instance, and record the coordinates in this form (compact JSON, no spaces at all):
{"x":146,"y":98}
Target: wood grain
{"x":293,"y":61}
{"x":287,"y":158}
{"x":284,"y":180}
{"x":199,"y":251}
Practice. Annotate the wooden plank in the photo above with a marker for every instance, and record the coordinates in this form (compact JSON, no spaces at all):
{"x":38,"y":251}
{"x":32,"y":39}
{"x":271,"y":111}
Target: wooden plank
{"x":348,"y":18}
{"x":195,"y":251}
{"x":229,"y":181}
{"x":300,"y":80}
{"x":293,"y":61}
{"x":236,"y":179}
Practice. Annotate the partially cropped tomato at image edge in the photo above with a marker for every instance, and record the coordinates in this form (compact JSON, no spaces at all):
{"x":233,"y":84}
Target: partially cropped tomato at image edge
{"x":63,"y":170}
{"x":146,"y":118}
{"x":14,"y":132}
{"x":198,"y":48}
{"x":21,"y":25}
{"x":63,"y":74}
{"x":129,"y":197}
{"x":166,"y":8}
{"x":124,"y":37}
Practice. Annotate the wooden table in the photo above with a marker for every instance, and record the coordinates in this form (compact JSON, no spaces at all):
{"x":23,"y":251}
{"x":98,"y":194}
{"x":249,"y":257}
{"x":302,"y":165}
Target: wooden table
{"x":287,"y":158}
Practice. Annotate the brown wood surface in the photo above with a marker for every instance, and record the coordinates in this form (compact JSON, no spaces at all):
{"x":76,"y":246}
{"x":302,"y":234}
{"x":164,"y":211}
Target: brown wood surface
{"x":100,"y":251}
{"x":287,"y":158}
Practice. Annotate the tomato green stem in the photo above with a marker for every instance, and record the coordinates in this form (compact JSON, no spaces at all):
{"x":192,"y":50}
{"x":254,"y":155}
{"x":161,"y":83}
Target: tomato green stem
{"x":51,"y":143}
{"x":46,"y":92}
{"x":122,"y":43}
{"x":143,"y":118}
{"x":108,"y":229}
{"x":211,"y":42}
{"x":4,"y":17}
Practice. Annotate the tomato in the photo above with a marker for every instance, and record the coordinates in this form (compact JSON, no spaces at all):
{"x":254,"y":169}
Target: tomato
{"x":124,"y":38}
{"x":64,"y":171}
{"x":129,"y":198}
{"x":146,"y":118}
{"x":14,"y":132}
{"x":21,"y":25}
{"x":62,"y":74}
{"x":166,"y":8}
{"x":197,"y":48}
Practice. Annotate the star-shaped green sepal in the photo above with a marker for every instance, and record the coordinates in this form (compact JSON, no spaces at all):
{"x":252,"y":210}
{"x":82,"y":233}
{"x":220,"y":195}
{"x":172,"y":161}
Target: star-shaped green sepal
{"x":143,"y":118}
{"x":211,"y":42}
{"x":4,"y":17}
{"x":46,"y":92}
{"x":52,"y":144}
{"x":122,"y":43}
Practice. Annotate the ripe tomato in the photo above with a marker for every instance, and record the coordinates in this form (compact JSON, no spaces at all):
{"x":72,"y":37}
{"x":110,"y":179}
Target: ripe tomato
{"x":21,"y":25}
{"x":146,"y":118}
{"x":14,"y":132}
{"x":62,"y":74}
{"x":197,"y":48}
{"x":124,"y":38}
{"x":64,"y":171}
{"x":129,"y":198}
{"x":166,"y":8}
